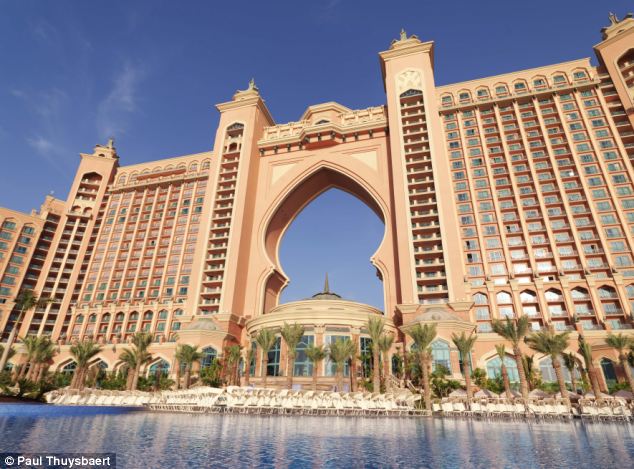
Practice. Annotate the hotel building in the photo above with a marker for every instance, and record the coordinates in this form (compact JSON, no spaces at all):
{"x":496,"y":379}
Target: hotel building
{"x":501,"y":196}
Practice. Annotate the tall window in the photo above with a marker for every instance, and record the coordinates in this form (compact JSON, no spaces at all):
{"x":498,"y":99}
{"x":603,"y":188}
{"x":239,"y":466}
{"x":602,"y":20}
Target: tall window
{"x":273,"y":368}
{"x":254,"y":348}
{"x":209,"y":355}
{"x":366,"y":355}
{"x":303,"y":366}
{"x":440,"y":354}
{"x":161,"y":365}
{"x":70,"y":368}
{"x":330,"y":367}
{"x":609,"y":373}
{"x":494,"y":368}
{"x":548,"y":372}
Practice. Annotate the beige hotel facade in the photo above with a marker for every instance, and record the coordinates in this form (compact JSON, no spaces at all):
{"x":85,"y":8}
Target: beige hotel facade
{"x":502,"y":196}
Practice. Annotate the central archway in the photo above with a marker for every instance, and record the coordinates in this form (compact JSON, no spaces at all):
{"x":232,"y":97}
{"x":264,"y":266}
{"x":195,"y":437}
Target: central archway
{"x":336,"y":234}
{"x":302,"y":194}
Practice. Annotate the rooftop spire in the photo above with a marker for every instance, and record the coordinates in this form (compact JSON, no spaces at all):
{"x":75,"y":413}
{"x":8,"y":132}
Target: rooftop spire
{"x":326,"y":286}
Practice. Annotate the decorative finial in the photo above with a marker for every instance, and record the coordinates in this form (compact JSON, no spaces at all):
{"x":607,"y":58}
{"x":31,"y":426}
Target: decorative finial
{"x":326,"y":286}
{"x":252,"y":85}
{"x":613,"y":18}
{"x":403,"y":34}
{"x":111,"y":143}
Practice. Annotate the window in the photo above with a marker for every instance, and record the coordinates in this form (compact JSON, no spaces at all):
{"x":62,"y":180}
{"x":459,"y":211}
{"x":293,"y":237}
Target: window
{"x":548,"y":372}
{"x":440,"y":354}
{"x":273,"y":368}
{"x":330,"y":367}
{"x":303,"y":365}
{"x":494,"y":368}
{"x":209,"y":354}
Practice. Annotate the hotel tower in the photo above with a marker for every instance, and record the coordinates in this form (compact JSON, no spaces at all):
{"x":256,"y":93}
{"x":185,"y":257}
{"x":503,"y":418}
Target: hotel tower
{"x":504,"y":196}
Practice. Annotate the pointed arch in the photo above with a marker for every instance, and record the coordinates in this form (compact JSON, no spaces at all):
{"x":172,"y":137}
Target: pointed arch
{"x":298,"y":193}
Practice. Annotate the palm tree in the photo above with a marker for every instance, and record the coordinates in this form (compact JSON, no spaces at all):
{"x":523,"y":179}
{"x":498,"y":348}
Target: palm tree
{"x":341,"y":350}
{"x":265,"y":340}
{"x":129,"y":359}
{"x":82,"y":352}
{"x":514,"y":331}
{"x":570,"y":362}
{"x":375,"y":330}
{"x":423,"y":336}
{"x":136,"y":357}
{"x":292,"y":335}
{"x":232,"y":360}
{"x":141,"y":342}
{"x":44,"y":352}
{"x":621,"y":343}
{"x":465,"y":344}
{"x":316,"y":354}
{"x":26,"y":300}
{"x":385,"y":344}
{"x":586,"y":351}
{"x":501,"y":351}
{"x":553,"y":345}
{"x":248,"y":358}
{"x":187,"y":355}
{"x":30,"y":343}
{"x":533,"y":376}
{"x":10,"y":353}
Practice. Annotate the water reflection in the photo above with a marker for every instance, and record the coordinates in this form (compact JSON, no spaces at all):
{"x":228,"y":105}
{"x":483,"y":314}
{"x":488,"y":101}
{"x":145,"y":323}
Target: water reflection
{"x":148,"y":440}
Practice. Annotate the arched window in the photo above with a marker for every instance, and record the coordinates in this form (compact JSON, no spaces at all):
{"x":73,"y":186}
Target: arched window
{"x":494,"y":368}
{"x":440,"y":354}
{"x":209,"y":354}
{"x":236,"y":126}
{"x":147,"y":316}
{"x":579,"y":293}
{"x":161,"y":366}
{"x":606,"y":292}
{"x":134,"y":316}
{"x":178,"y":312}
{"x":163,"y":314}
{"x":505,"y":301}
{"x":503,"y":298}
{"x":106,"y":318}
{"x":553,"y":295}
{"x":70,"y":368}
{"x":482,"y":309}
{"x":548,"y":372}
{"x":480,"y":299}
{"x":528,"y":297}
{"x":92,"y":318}
{"x":79,"y":320}
{"x":609,"y":372}
{"x":119,"y":317}
{"x":410,"y":92}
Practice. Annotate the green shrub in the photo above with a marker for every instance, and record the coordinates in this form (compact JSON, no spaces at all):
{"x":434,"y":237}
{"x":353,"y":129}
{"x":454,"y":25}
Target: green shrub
{"x":440,"y":385}
{"x":113,"y":381}
{"x":211,"y":375}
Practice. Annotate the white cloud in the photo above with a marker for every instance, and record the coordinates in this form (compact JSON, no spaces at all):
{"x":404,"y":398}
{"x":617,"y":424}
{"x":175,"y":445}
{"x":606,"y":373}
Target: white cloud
{"x":42,"y":145}
{"x":53,"y":153}
{"x":114,"y":110}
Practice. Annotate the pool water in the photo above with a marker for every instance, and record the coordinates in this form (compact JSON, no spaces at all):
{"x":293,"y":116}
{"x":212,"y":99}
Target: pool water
{"x":151,"y":440}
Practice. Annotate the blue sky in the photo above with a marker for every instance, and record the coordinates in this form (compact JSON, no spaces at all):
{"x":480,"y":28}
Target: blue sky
{"x":149,"y":72}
